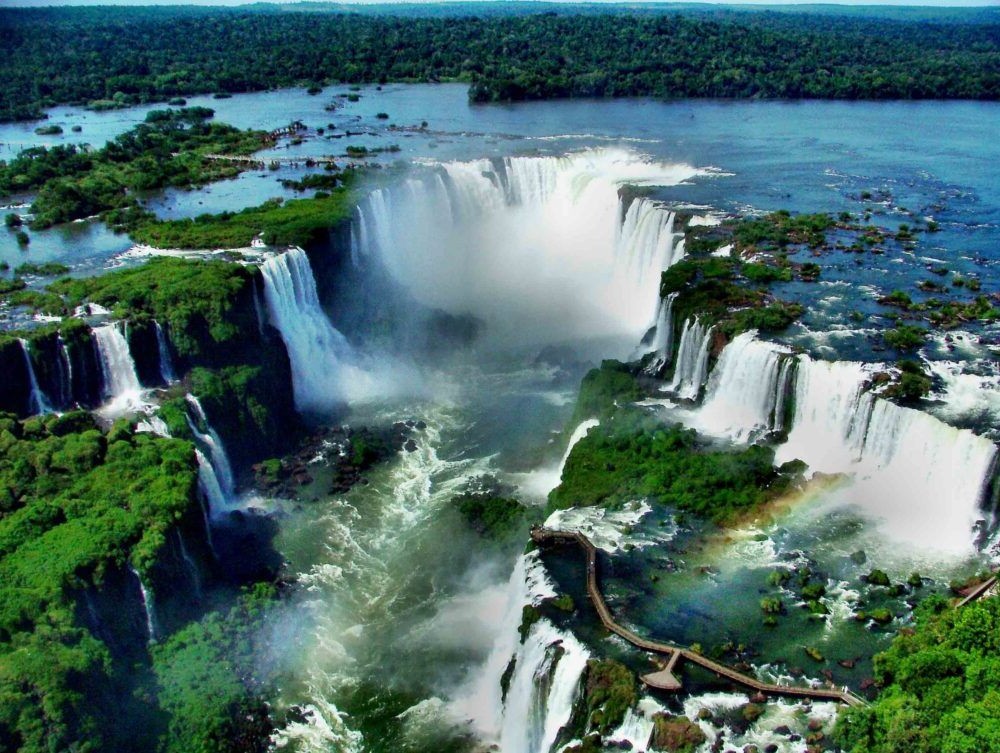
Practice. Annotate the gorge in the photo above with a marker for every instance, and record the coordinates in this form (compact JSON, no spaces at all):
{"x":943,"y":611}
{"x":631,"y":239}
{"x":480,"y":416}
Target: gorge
{"x":464,"y":300}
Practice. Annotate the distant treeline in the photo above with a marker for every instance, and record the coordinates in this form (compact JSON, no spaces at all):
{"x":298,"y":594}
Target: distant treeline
{"x":138,"y":55}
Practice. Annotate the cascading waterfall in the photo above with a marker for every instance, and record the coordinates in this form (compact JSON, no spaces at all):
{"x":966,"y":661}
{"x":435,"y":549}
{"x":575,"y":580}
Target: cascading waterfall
{"x":38,"y":403}
{"x":222,"y":470}
{"x":646,"y":237}
{"x":322,"y":372}
{"x":481,"y":699}
{"x":692,"y":360}
{"x":147,"y":603}
{"x":923,"y":478}
{"x":830,"y":416}
{"x":166,"y":364}
{"x":258,"y":308}
{"x":189,"y":561}
{"x":551,"y":233}
{"x":121,"y":382}
{"x":743,"y":389}
{"x":65,"y":373}
{"x":546,"y":681}
{"x":540,"y":482}
{"x":663,"y":338}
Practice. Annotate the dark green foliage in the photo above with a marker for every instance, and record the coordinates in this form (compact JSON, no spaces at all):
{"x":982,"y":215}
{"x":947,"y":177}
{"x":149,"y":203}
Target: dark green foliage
{"x":764,"y":273}
{"x":48,"y":269}
{"x":492,"y":517}
{"x":631,"y":455}
{"x":312,"y":180}
{"x":166,"y":150}
{"x":610,"y":691}
{"x":780,"y":229}
{"x":12,"y":220}
{"x":602,"y":388}
{"x":905,"y":337}
{"x":186,"y":296}
{"x":145,"y":55}
{"x":941,"y":686}
{"x":878,"y":578}
{"x":23,"y":239}
{"x":76,"y":506}
{"x":208,"y":681}
{"x":291,"y":223}
{"x":911,"y":385}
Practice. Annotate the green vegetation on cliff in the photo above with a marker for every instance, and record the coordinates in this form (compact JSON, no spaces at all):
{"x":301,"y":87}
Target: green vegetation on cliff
{"x":143,"y":55}
{"x":78,"y":508}
{"x":182,"y":294}
{"x":633,"y":455}
{"x":941,"y":686}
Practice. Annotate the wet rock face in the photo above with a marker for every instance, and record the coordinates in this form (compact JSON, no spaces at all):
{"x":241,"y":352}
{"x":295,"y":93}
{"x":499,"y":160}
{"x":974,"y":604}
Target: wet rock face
{"x":675,"y":734}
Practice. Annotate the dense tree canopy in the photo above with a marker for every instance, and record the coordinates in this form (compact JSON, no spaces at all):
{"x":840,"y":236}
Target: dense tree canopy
{"x":140,"y":55}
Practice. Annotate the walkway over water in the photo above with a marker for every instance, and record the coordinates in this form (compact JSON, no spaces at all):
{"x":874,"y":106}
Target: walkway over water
{"x":664,"y":678}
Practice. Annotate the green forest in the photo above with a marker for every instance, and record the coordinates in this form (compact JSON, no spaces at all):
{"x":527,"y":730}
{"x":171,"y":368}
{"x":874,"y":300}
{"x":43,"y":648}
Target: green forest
{"x":139,"y":55}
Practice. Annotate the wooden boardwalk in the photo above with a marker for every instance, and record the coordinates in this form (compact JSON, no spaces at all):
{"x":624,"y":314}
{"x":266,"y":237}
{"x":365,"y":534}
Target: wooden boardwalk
{"x":664,"y":678}
{"x":978,"y":591}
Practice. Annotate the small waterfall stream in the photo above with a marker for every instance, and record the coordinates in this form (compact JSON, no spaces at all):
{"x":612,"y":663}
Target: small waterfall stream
{"x":221,"y":468}
{"x":147,"y":603}
{"x":38,"y":402}
{"x":167,"y":371}
{"x":121,"y":382}
{"x":692,"y":360}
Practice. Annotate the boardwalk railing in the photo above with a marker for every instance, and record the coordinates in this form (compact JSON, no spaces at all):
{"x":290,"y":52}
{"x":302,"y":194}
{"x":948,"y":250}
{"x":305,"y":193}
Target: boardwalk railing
{"x":664,"y":679}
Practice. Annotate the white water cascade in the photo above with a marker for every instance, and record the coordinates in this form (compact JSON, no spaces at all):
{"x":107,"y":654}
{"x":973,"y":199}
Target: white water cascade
{"x":546,"y":681}
{"x":38,"y":403}
{"x":692,"y":360}
{"x":552,"y":234}
{"x":65,"y":372}
{"x":323,"y":373}
{"x":663,"y":338}
{"x":540,"y":482}
{"x":920,"y":478}
{"x":147,"y":603}
{"x":830,"y":416}
{"x":923,"y":478}
{"x":189,"y":561}
{"x":743,"y":389}
{"x":166,"y":364}
{"x":121,"y":382}
{"x":222,"y":470}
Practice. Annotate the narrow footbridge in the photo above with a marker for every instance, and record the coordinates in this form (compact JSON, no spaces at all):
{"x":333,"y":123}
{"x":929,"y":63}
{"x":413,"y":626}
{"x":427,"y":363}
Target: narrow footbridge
{"x":664,"y":678}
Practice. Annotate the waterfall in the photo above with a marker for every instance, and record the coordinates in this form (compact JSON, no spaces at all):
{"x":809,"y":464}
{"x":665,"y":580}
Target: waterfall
{"x":552,"y":234}
{"x":37,"y":402}
{"x":692,"y":360}
{"x":189,"y":561}
{"x":121,"y":383}
{"x":147,"y":603}
{"x":663,"y":339}
{"x":743,"y":390}
{"x":546,"y":681}
{"x":166,"y":364}
{"x":208,"y":480}
{"x":646,"y":238}
{"x":924,"y":479}
{"x":830,"y":415}
{"x":222,"y":470}
{"x":579,"y":433}
{"x":65,"y":365}
{"x":322,"y":374}
{"x":482,"y":698}
{"x":547,"y":667}
{"x":258,"y":309}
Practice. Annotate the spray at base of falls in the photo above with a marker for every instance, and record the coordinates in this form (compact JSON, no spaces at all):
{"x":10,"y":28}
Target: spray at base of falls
{"x":38,"y":403}
{"x":924,"y":480}
{"x":460,"y":237}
